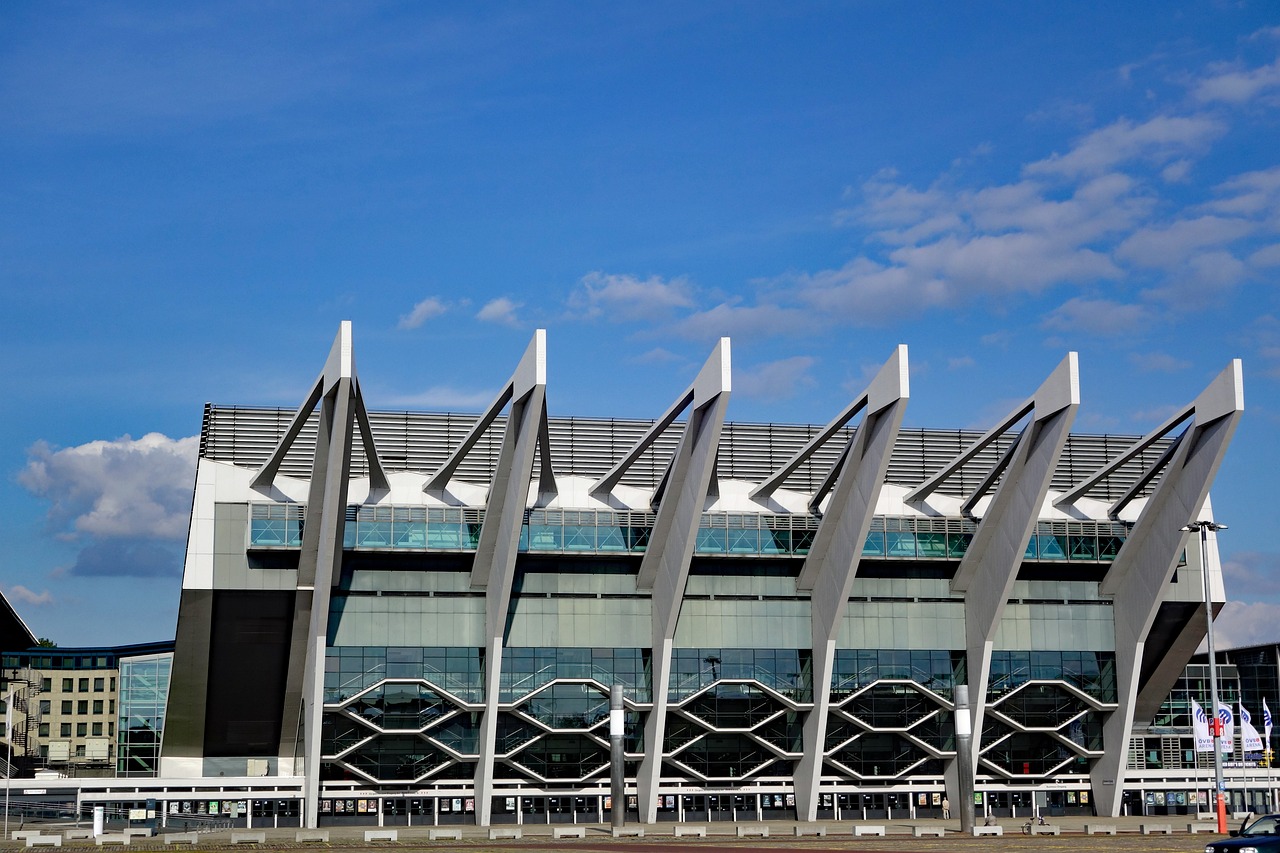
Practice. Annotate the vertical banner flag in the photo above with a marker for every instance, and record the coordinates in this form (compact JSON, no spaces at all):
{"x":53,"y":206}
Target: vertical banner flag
{"x":1266,"y":721}
{"x":1200,"y":725}
{"x":1248,"y":734}
{"x":1228,"y":727}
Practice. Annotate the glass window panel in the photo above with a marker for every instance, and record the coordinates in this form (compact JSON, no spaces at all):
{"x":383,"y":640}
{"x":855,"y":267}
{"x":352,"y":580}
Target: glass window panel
{"x":900,"y":543}
{"x":611,"y":539}
{"x":579,"y":537}
{"x":410,"y":534}
{"x":874,"y":546}
{"x":931,"y":544}
{"x":744,"y":541}
{"x":1053,"y":547}
{"x":711,"y":540}
{"x":442,"y":534}
{"x":373,"y":534}
{"x":775,"y":541}
{"x":1084,"y":548}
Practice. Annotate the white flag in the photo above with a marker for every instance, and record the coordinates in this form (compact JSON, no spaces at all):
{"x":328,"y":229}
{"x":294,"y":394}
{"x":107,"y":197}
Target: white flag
{"x":1266,"y":721}
{"x":1228,"y":727}
{"x":1200,"y":725}
{"x":1248,"y":734}
{"x":8,"y":715}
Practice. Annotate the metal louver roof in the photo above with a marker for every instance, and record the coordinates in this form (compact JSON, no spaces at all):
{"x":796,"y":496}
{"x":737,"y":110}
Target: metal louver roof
{"x":588,"y":447}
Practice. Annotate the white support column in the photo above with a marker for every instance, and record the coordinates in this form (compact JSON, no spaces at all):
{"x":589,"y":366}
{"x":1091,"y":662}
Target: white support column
{"x":990,"y":565}
{"x":832,"y":564}
{"x":493,"y":568}
{"x":665,"y":566}
{"x":1140,"y":575}
{"x":320,"y":557}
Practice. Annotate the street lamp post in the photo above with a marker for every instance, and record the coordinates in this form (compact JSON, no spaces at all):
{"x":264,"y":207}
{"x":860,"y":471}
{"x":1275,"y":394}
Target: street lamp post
{"x":1204,"y":527}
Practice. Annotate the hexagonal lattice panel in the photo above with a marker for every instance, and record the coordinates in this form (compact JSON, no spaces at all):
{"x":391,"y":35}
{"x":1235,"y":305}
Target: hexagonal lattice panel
{"x":513,"y":733}
{"x":460,"y":733}
{"x":339,"y":733}
{"x":890,"y":705}
{"x":568,"y":706}
{"x":839,"y":730}
{"x":785,"y":732}
{"x":394,"y":706}
{"x":681,"y":731}
{"x":563,"y":756}
{"x":883,"y":755}
{"x":733,"y":706}
{"x":1041,"y":706}
{"x":397,"y":758}
{"x":728,"y":756}
{"x":1031,"y":753}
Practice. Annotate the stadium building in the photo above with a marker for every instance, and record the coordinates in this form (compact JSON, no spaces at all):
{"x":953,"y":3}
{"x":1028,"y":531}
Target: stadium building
{"x":421,"y":615}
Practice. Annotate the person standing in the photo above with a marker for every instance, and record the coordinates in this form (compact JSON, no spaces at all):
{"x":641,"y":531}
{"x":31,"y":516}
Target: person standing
{"x":946,"y":809}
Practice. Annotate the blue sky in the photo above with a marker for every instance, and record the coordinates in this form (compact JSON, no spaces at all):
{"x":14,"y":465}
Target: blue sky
{"x":192,"y":196}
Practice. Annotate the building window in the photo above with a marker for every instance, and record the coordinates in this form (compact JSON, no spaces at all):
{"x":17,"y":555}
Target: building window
{"x":97,"y":706}
{"x":46,"y":685}
{"x":99,"y":685}
{"x":65,"y":730}
{"x":97,"y":729}
{"x":82,"y":729}
{"x":67,"y":685}
{"x":112,"y":702}
{"x":66,"y":706}
{"x":113,"y":684}
{"x":80,"y":750}
{"x":44,"y":730}
{"x":46,"y":706}
{"x":111,"y":729}
{"x":84,"y":685}
{"x":82,"y":707}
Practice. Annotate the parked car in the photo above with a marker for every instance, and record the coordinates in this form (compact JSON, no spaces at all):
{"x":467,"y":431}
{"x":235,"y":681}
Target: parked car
{"x":1261,"y":836}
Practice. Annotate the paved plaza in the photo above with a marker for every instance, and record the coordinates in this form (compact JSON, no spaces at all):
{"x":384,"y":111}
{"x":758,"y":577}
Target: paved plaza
{"x":721,"y":836}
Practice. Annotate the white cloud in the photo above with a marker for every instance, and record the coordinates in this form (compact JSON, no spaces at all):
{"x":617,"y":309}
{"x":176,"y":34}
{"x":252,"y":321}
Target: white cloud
{"x":1157,"y":362}
{"x":1176,"y":172}
{"x":19,"y":594}
{"x":775,"y":380}
{"x":623,"y":298}
{"x":1242,"y":624}
{"x":1268,"y":256}
{"x":422,"y":312}
{"x":501,"y":310}
{"x":1237,"y":86}
{"x":445,"y":398}
{"x":121,"y":488}
{"x":1168,"y":246}
{"x":1258,"y":572}
{"x":1102,"y":317}
{"x":963,"y":362}
{"x":1255,"y":194}
{"x":657,"y":355}
{"x":1158,"y":140}
{"x":755,"y":321}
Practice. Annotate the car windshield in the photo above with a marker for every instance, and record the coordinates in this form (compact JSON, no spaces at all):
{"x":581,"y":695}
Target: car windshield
{"x":1262,"y":826}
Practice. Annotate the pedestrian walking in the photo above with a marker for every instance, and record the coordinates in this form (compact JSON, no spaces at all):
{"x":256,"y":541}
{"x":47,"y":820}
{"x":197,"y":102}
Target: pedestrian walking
{"x":946,"y":809}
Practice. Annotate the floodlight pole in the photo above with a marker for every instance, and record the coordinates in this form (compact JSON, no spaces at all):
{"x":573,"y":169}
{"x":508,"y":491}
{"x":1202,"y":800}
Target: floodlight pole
{"x":617,"y":768}
{"x":1204,"y":527}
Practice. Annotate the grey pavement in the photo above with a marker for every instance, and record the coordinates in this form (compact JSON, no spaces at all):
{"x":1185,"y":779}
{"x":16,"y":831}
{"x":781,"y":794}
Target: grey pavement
{"x":840,"y":835}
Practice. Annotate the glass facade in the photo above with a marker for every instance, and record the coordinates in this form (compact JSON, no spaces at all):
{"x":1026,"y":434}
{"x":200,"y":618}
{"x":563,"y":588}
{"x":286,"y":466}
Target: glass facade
{"x":730,"y":534}
{"x":352,"y":669}
{"x":787,"y":671}
{"x":144,"y":690}
{"x":525,"y":670}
